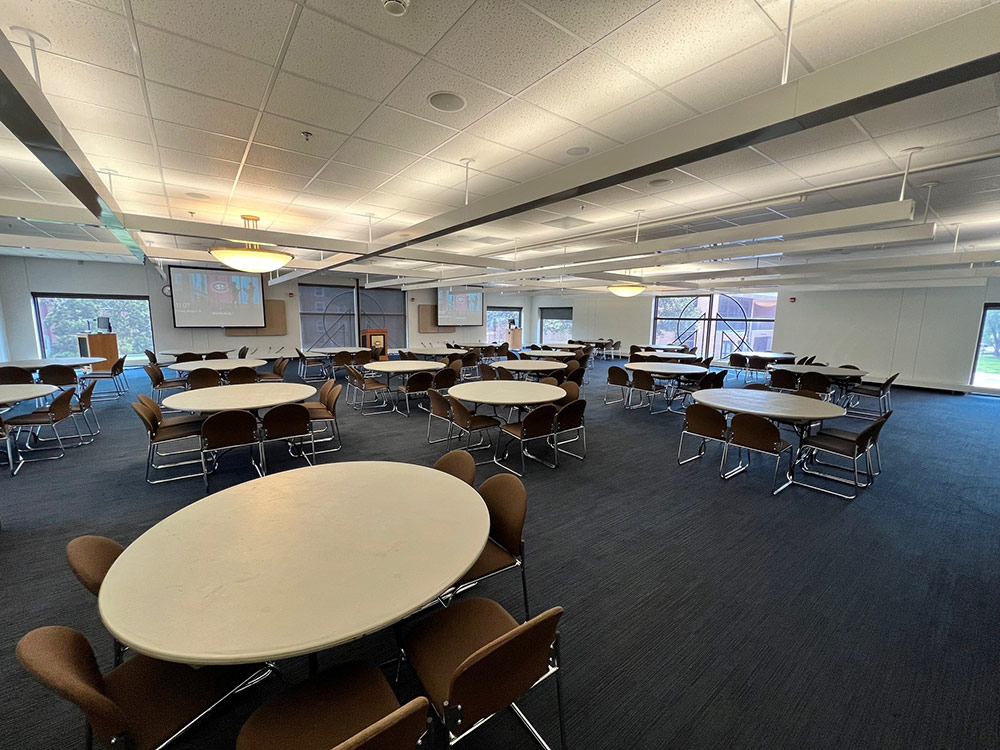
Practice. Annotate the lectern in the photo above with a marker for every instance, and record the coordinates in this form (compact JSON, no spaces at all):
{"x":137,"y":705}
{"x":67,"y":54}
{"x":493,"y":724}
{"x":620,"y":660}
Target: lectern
{"x":99,"y":345}
{"x":514,"y":338}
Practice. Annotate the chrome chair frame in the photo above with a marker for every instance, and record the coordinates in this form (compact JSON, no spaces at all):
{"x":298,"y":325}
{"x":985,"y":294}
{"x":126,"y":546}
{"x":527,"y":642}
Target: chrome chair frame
{"x":741,"y":467}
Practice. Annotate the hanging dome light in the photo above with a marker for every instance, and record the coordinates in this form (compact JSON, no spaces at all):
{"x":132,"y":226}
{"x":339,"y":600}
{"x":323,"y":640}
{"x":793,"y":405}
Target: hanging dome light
{"x":251,"y":257}
{"x":626,"y":289}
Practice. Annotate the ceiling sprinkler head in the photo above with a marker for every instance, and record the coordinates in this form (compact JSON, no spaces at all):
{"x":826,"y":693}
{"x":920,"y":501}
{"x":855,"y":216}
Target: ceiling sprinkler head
{"x":307,"y":135}
{"x":396,"y":7}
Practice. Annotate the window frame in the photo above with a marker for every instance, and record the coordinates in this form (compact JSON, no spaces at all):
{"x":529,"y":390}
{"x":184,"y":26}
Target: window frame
{"x":519,"y":311}
{"x":710,"y":319}
{"x":987,"y":307}
{"x":354,"y":302}
{"x":542,"y":318}
{"x":35,"y":296}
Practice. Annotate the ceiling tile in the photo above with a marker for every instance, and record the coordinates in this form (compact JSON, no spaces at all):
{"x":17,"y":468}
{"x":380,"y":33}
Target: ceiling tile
{"x":125,"y":168}
{"x":504,"y":45}
{"x":588,"y":86}
{"x":837,"y":159}
{"x":422,"y":189}
{"x":333,"y":190}
{"x":399,"y":129}
{"x":321,"y":202}
{"x":72,"y":79}
{"x":813,"y":140}
{"x":641,"y":117}
{"x":77,"y":116}
{"x":555,"y":150}
{"x":183,"y":138}
{"x":284,"y":133}
{"x":310,"y":102}
{"x":744,"y":74}
{"x":178,"y":62}
{"x":725,"y":164}
{"x":374,"y":156}
{"x":284,"y":161}
{"x":591,"y":20}
{"x":271,"y":193}
{"x":945,"y":104}
{"x":194,"y":110}
{"x":252,"y":28}
{"x":485,"y":153}
{"x":695,"y":193}
{"x":337,"y":55}
{"x":520,"y":125}
{"x":348,"y":174}
{"x":196,"y":163}
{"x":967,"y":128}
{"x":95,"y":144}
{"x":524,"y":167}
{"x":672,"y":40}
{"x":487,"y":184}
{"x":195,"y":181}
{"x":429,"y":77}
{"x":763,"y":181}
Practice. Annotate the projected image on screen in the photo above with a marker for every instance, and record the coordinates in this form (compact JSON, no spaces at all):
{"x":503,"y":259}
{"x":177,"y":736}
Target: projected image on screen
{"x":460,"y":308}
{"x":204,"y":298}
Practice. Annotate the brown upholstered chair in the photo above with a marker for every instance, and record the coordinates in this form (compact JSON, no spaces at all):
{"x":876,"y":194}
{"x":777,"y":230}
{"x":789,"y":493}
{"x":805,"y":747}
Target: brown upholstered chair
{"x":507,"y":502}
{"x":203,"y":378}
{"x":881,"y":392}
{"x":242,"y":353}
{"x":439,"y":409}
{"x":549,"y":381}
{"x":816,"y":382}
{"x":351,"y":707}
{"x":241,"y":376}
{"x":363,"y":357}
{"x":163,"y":422}
{"x":459,"y":464}
{"x":289,"y":423}
{"x":160,"y":433}
{"x":757,"y":387}
{"x":570,"y":422}
{"x":783,"y":380}
{"x":456,"y":366}
{"x":807,"y":394}
{"x":538,"y":424}
{"x":84,"y":407}
{"x":753,"y":434}
{"x":15,"y":376}
{"x":217,"y":355}
{"x":486,"y":372}
{"x":465,"y":423}
{"x":362,"y":385}
{"x":305,"y":362}
{"x":90,"y":558}
{"x":325,"y":413}
{"x":576,"y":376}
{"x":706,"y":424}
{"x":339,"y":362}
{"x":504,"y":374}
{"x":416,"y":385}
{"x":444,"y":379}
{"x":188,"y":357}
{"x":158,"y":384}
{"x":60,"y":376}
{"x":277,"y":373}
{"x":648,"y":389}
{"x":116,"y":375}
{"x":852,"y":446}
{"x":475,"y":660}
{"x":572,"y":393}
{"x":142,"y":704}
{"x":151,"y":356}
{"x":57,"y":411}
{"x":225,"y":430}
{"x":617,"y":378}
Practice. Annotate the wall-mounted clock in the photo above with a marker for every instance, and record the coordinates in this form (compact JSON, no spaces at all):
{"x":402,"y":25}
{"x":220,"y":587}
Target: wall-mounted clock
{"x":167,"y":291}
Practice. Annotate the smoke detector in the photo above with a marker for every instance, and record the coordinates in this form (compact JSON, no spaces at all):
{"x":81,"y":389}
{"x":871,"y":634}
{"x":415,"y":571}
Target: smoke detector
{"x":396,"y":7}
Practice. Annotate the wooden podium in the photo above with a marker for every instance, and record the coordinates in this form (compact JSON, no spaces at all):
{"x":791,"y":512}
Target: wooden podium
{"x":99,"y":345}
{"x":376,"y":338}
{"x":514,"y":338}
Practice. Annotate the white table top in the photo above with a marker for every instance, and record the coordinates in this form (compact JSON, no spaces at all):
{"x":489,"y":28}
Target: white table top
{"x":781,"y":406}
{"x":37,"y":364}
{"x":400,"y":366}
{"x":506,"y":392}
{"x":219,"y":365}
{"x":664,"y":348}
{"x":529,"y":365}
{"x":768,"y":355}
{"x":542,"y":354}
{"x":200,"y":352}
{"x":338,"y":349}
{"x":436,"y":351}
{"x":666,"y":368}
{"x":567,"y":347}
{"x":474,"y":345}
{"x":830,"y":372}
{"x":249,"y":396}
{"x":13,"y":394}
{"x":670,"y":355}
{"x":293,"y":563}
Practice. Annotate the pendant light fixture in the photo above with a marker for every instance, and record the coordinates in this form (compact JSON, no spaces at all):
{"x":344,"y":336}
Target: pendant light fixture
{"x":629,"y":288}
{"x":251,"y":257}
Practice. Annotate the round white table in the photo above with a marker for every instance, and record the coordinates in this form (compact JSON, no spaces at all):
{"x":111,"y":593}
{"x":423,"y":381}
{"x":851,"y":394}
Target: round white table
{"x":293,"y":563}
{"x":566,"y":347}
{"x":15,"y":394}
{"x":435,"y":351}
{"x":783,"y":407}
{"x":403,"y":366}
{"x":529,"y":365}
{"x":768,"y":355}
{"x":219,"y":365}
{"x":550,"y":353}
{"x":675,"y":356}
{"x":250,"y":396}
{"x":473,"y":345}
{"x":664,"y":348}
{"x":830,"y":372}
{"x":199,"y":352}
{"x":37,"y":364}
{"x":339,"y":349}
{"x":507,"y":392}
{"x":665,"y":369}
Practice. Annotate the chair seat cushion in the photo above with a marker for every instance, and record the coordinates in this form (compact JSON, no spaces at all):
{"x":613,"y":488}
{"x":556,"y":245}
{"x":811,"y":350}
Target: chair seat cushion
{"x":832,"y":443}
{"x":493,"y":558}
{"x":371,"y":384}
{"x":172,"y":383}
{"x":185,"y":420}
{"x":40,"y":416}
{"x":161,"y":697}
{"x":439,"y":644}
{"x":320,"y":713}
{"x":482,"y":422}
{"x":271,"y":376}
{"x":866,"y":389}
{"x":318,"y":412}
{"x":176,"y":432}
{"x":838,"y":433}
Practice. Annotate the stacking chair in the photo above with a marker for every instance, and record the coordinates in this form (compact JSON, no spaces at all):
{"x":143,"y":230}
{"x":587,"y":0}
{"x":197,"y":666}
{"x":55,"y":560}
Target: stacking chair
{"x":60,"y":376}
{"x":15,"y":376}
{"x":549,"y":381}
{"x":704,"y":382}
{"x":783,"y":380}
{"x":706,"y":424}
{"x":444,"y":379}
{"x":217,"y":355}
{"x":151,"y":356}
{"x":325,"y":412}
{"x":720,"y":378}
{"x":474,"y":660}
{"x":142,"y":704}
{"x":576,"y":376}
{"x":7,"y":435}
{"x":456,"y":366}
{"x":466,"y":422}
{"x":850,"y":445}
{"x":289,"y":423}
{"x":807,"y":394}
{"x":756,"y":366}
{"x":470,"y":366}
{"x":90,"y":558}
{"x":158,"y":384}
{"x":571,"y":365}
{"x":757,"y":435}
{"x":816,"y":382}
{"x":617,"y":378}
{"x":572,"y":393}
{"x":306,"y":362}
{"x":416,"y":385}
{"x":277,"y":374}
{"x":504,"y":374}
{"x":117,"y":376}
{"x":881,"y":392}
{"x":364,"y":385}
{"x":460,"y":464}
{"x":738,"y":362}
{"x":362,"y":358}
{"x":643,"y":383}
{"x":242,"y":353}
{"x":757,"y":387}
{"x":570,"y":421}
{"x":203,"y":378}
{"x":188,"y":357}
{"x":535,"y":347}
{"x":226,"y":430}
{"x":83,"y":407}
{"x":512,"y":356}
{"x":339,"y":362}
{"x":241,"y":376}
{"x":57,"y":411}
{"x":486,"y":372}
{"x":539,"y":424}
{"x":160,"y":433}
{"x":439,"y":409}
{"x":351,"y":707}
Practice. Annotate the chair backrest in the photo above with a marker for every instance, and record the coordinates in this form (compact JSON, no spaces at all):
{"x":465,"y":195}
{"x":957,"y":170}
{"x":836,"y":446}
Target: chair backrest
{"x":705,"y":421}
{"x":511,"y":355}
{"x":707,"y":362}
{"x":325,"y":389}
{"x":217,"y":355}
{"x":618,"y":376}
{"x":572,"y":393}
{"x":756,"y":387}
{"x":152,"y":406}
{"x":85,"y":397}
{"x":242,"y":376}
{"x":570,"y":414}
{"x":363,"y":357}
{"x":576,"y":376}
{"x":419,"y":382}
{"x":459,"y":464}
{"x":877,"y":426}
{"x":504,"y":374}
{"x":756,"y":363}
{"x":150,"y":356}
{"x":439,"y":404}
{"x":90,"y":558}
{"x":341,"y":359}
{"x":487,"y":373}
{"x":460,"y":414}
{"x":57,"y":375}
{"x":59,"y":407}
{"x":149,"y":420}
{"x":332,"y":396}
{"x":784,"y":379}
{"x":242,"y":353}
{"x":707,"y":381}
{"x":444,"y":378}
{"x":499,"y":673}
{"x":456,"y":366}
{"x":62,"y":660}
{"x":401,"y":729}
{"x":888,"y":383}
{"x":549,"y":381}
{"x":810,"y":360}
{"x":751,"y":431}
{"x":470,"y":360}
{"x":572,"y":365}
{"x":507,"y":502}
{"x":814,"y":381}
{"x":284,"y":421}
{"x":188,"y":357}
{"x":539,"y":421}
{"x":15,"y":376}
{"x":720,"y":378}
{"x":642,"y":381}
{"x":490,"y":351}
{"x":737,"y":360}
{"x":203,"y":378}
{"x":534,"y":347}
{"x":228,"y":428}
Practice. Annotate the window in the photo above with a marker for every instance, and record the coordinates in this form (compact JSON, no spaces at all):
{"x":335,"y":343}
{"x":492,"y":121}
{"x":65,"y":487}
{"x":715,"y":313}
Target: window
{"x":498,"y":321}
{"x":718,"y":324}
{"x":326,"y":316}
{"x":61,"y":316}
{"x":556,"y":324}
{"x":385,"y":309}
{"x":986,"y":371}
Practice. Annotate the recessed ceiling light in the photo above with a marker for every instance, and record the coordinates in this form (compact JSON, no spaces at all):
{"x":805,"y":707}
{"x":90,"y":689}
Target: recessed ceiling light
{"x":396,"y":7}
{"x":660,"y":182}
{"x":446,"y":101}
{"x":578,"y":150}
{"x":197,"y":196}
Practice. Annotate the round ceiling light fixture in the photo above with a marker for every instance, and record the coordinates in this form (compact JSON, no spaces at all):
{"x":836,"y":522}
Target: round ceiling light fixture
{"x":626,"y":289}
{"x":446,"y":101}
{"x":251,"y":257}
{"x":396,"y":7}
{"x":577,"y":150}
{"x":660,"y":182}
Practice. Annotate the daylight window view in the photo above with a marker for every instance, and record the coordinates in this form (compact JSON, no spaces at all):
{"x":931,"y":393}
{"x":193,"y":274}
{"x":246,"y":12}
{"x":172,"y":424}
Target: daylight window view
{"x":718,"y":324}
{"x":987,"y":370}
{"x":61,"y":318}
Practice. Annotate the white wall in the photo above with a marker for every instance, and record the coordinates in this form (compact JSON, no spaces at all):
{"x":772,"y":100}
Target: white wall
{"x":927,"y":335}
{"x":629,"y":320}
{"x":471,"y":334}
